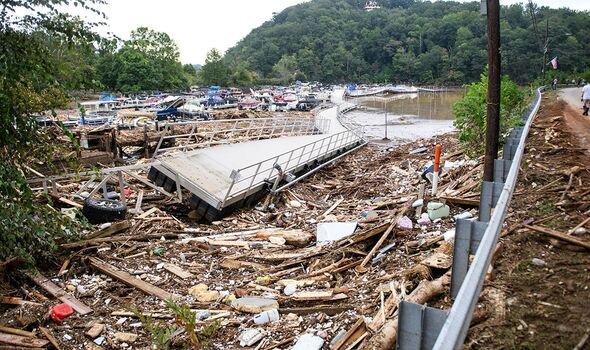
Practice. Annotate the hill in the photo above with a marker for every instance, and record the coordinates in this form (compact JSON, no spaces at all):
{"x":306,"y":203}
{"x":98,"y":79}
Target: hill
{"x":408,"y":41}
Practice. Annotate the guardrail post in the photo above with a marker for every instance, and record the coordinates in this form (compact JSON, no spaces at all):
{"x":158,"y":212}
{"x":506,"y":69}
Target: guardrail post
{"x":419,"y":326}
{"x":485,"y":201}
{"x":468,"y":235}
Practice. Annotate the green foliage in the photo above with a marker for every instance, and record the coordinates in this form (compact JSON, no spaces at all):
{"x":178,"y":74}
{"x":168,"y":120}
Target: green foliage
{"x":441,"y":42}
{"x":470,"y":112}
{"x":161,"y":334}
{"x":214,"y":71}
{"x":184,"y":319}
{"x":148,"y":61}
{"x":43,"y":54}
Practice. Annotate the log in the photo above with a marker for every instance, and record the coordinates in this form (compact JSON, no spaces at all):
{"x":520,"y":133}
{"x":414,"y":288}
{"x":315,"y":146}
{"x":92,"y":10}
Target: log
{"x":425,"y":291}
{"x":559,"y":235}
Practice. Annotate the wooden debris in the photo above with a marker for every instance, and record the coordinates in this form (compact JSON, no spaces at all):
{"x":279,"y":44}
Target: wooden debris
{"x":16,"y":301}
{"x":178,"y":271}
{"x":111,"y":230}
{"x":95,"y":330}
{"x":129,"y":280}
{"x":16,"y":331}
{"x":559,"y":235}
{"x":425,"y":291}
{"x":352,"y":335}
{"x":59,"y":293}
{"x":47,"y":333}
{"x":18,"y":340}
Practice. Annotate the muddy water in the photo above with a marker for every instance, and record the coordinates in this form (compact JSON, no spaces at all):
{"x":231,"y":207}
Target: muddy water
{"x":409,"y":116}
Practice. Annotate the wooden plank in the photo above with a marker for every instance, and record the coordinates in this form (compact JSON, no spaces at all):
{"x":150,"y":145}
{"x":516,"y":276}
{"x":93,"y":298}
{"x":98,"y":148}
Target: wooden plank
{"x":129,"y":280}
{"x":16,"y":301}
{"x":461,"y":201}
{"x":47,"y":333}
{"x":70,"y":203}
{"x":22,"y":341}
{"x":178,"y":271}
{"x":559,"y":235}
{"x":116,"y":227}
{"x":354,"y":333}
{"x":16,"y":331}
{"x":59,"y":293}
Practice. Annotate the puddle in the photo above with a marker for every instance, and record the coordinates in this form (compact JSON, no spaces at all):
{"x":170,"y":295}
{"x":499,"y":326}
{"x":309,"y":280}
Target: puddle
{"x":409,"y":116}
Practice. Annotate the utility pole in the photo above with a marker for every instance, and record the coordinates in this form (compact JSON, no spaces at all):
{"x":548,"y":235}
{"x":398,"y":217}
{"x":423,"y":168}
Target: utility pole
{"x":494,"y":71}
{"x":545,"y":49}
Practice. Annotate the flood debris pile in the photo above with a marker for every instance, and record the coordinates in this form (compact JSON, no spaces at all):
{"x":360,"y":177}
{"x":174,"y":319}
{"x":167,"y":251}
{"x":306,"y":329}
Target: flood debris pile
{"x":323,"y":264}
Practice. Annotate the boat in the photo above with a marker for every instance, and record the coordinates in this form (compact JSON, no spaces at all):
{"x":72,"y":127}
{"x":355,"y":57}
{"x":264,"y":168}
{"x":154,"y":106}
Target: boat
{"x":249,"y":103}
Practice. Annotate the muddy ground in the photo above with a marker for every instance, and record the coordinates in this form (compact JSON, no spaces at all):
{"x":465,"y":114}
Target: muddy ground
{"x":546,"y":303}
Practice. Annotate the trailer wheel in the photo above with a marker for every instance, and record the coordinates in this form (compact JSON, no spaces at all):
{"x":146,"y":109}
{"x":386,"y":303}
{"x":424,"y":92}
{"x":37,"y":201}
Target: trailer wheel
{"x":153,"y":173}
{"x":160,"y":179}
{"x":99,"y":211}
{"x":169,"y":185}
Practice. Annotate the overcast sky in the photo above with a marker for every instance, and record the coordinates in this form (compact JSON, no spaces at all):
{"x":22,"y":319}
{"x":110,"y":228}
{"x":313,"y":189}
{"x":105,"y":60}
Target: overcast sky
{"x":198,"y":26}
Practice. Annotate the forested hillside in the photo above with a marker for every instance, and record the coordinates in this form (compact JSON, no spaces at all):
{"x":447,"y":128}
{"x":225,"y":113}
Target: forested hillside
{"x":408,"y":41}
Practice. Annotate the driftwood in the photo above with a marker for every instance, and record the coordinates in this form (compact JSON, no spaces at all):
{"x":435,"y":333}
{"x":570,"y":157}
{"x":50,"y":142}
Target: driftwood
{"x":559,"y":235}
{"x":425,"y":291}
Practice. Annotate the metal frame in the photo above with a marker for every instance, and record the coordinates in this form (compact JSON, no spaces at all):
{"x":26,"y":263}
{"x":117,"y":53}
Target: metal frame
{"x":120,"y":174}
{"x":203,"y":133}
{"x":257,"y":174}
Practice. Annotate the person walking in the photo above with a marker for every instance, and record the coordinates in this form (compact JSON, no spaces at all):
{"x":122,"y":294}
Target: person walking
{"x":554,"y":84}
{"x":586,"y":98}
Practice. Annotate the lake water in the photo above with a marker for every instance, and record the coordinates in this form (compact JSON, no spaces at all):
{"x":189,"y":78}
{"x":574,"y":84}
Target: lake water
{"x":409,"y":116}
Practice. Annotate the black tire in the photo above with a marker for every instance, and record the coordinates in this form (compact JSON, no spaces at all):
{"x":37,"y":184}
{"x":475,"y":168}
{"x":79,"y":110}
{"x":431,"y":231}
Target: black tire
{"x":153,"y":173}
{"x":212,"y":214}
{"x":160,"y":179}
{"x":194,"y":201}
{"x":203,"y":208}
{"x":169,"y":185}
{"x":99,"y":211}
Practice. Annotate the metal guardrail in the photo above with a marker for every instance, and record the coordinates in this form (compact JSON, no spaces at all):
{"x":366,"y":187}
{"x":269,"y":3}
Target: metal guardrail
{"x":245,"y":180}
{"x":454,"y":330}
{"x":207,"y":133}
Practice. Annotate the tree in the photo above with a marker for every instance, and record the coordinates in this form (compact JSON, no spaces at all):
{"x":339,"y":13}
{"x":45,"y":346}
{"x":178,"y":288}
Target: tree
{"x":285,"y":69}
{"x":34,"y":75}
{"x":214,"y":71}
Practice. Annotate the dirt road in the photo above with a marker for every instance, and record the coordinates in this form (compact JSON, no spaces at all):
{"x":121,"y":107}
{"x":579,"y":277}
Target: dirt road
{"x":578,"y":124}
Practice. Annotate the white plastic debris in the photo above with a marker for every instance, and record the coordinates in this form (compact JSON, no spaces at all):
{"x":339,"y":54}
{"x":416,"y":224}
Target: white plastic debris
{"x":333,"y":231}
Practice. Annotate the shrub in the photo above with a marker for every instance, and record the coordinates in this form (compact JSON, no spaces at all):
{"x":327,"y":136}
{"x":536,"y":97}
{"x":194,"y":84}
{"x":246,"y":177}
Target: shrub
{"x":471,"y":113}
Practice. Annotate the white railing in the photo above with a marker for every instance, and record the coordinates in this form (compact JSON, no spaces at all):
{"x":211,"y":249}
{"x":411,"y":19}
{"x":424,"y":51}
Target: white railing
{"x":199,"y":134}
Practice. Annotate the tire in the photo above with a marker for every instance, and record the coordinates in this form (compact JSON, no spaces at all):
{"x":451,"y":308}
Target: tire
{"x":212,"y":214}
{"x":99,"y":211}
{"x":194,"y":201}
{"x":169,"y":185}
{"x":160,"y":179}
{"x":153,"y":174}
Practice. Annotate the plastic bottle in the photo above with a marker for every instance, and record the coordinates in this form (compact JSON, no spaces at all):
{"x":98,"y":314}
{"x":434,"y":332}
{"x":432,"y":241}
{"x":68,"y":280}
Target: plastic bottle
{"x":267,"y":316}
